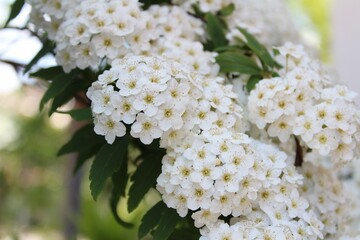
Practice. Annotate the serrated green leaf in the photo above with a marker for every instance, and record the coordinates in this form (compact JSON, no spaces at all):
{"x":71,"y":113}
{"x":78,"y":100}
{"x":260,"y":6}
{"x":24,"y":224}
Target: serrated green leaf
{"x":144,"y":178}
{"x":119,"y":181}
{"x":236,"y":62}
{"x":81,"y":114}
{"x":107,"y":161}
{"x":48,"y":73}
{"x":59,"y":83}
{"x":16,"y":8}
{"x":167,"y":224}
{"x":250,"y":85}
{"x":48,"y":47}
{"x":227,"y":10}
{"x":82,"y":140}
{"x":259,"y":49}
{"x":151,"y":219}
{"x":86,"y":154}
{"x":215,"y":30}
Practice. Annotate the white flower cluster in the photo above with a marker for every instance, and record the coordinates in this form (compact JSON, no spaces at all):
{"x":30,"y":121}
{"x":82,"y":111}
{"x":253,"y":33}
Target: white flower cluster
{"x":157,"y":96}
{"x":301,"y":102}
{"x":327,"y":198}
{"x":273,"y":24}
{"x":85,"y":32}
{"x":210,"y":168}
{"x":163,"y":85}
{"x":254,"y":184}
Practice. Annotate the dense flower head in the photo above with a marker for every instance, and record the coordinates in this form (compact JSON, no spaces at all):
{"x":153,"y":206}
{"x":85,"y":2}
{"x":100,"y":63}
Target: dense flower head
{"x":232,"y":169}
{"x":156,"y":96}
{"x":88,"y":31}
{"x":303,"y":102}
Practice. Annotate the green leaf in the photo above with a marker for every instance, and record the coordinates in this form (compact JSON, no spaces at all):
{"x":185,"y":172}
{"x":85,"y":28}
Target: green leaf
{"x":107,"y":161}
{"x":87,"y":154}
{"x":48,"y":47}
{"x":276,"y":51}
{"x":186,"y":233}
{"x":58,"y":85}
{"x":148,"y":3}
{"x":196,"y":8}
{"x":151,"y":219}
{"x":48,"y":73}
{"x":144,"y":177}
{"x":235,"y":48}
{"x":82,"y":140}
{"x":67,"y":94}
{"x":215,"y":30}
{"x":259,"y":49}
{"x":227,"y":10}
{"x":81,"y":114}
{"x":119,"y":180}
{"x":250,"y":85}
{"x":15,"y":10}
{"x":236,"y":62}
{"x":167,"y":224}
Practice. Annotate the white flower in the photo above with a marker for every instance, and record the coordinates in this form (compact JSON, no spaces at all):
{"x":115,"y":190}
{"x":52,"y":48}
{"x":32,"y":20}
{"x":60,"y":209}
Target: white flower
{"x":289,"y":49}
{"x":145,"y":128}
{"x":106,"y":126}
{"x":204,"y":217}
{"x":281,"y":128}
{"x":306,"y":126}
{"x":108,"y":76}
{"x":106,"y":45}
{"x":199,"y":197}
{"x":101,"y":100}
{"x":296,"y":204}
{"x":169,"y":116}
{"x":324,"y":141}
{"x":149,"y":102}
{"x":130,"y":83}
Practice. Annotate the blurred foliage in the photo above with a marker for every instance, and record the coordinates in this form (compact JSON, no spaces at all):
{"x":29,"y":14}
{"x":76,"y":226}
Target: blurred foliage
{"x":319,"y":12}
{"x":30,"y":177}
{"x":32,"y":187}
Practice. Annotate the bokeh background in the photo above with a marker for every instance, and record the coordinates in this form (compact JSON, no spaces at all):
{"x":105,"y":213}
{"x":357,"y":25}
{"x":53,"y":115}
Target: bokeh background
{"x":37,"y":190}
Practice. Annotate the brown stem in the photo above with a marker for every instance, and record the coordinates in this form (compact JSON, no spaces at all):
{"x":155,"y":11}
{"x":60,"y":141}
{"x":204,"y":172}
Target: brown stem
{"x":299,"y":159}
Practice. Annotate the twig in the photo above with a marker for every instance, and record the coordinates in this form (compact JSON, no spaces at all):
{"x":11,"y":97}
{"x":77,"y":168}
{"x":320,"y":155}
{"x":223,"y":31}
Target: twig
{"x":16,"y":65}
{"x":299,"y":158}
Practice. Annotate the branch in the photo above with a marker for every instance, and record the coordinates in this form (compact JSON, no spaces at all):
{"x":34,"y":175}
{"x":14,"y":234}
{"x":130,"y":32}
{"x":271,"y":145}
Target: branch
{"x":299,"y":158}
{"x":16,"y":65}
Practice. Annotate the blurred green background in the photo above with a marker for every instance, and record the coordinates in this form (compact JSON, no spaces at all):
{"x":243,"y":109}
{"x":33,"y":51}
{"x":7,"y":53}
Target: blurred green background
{"x":34,"y":182}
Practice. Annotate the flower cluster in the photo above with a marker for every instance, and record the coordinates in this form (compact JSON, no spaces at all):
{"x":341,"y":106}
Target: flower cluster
{"x":157,"y":96}
{"x":253,"y":183}
{"x":88,"y":31}
{"x":327,"y":197}
{"x":211,"y":168}
{"x":302,"y":102}
{"x":162,"y":84}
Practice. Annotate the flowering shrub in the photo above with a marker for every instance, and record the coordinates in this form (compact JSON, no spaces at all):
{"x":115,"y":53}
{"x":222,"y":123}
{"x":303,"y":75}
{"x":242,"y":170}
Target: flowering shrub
{"x":258,"y":161}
